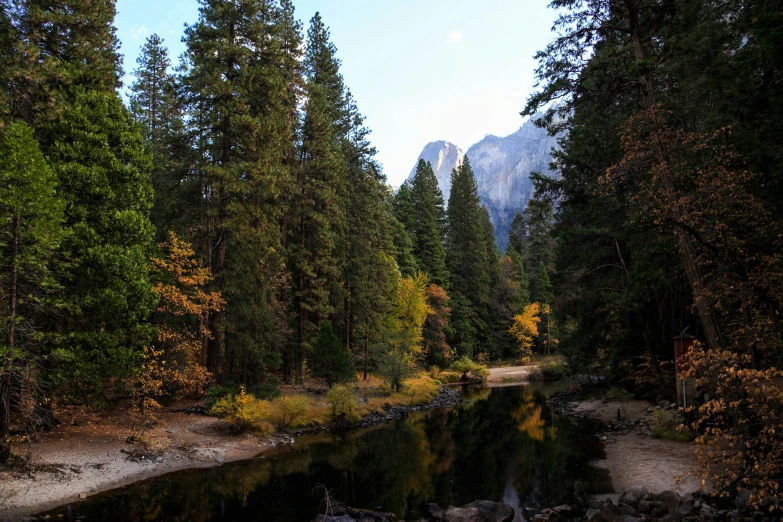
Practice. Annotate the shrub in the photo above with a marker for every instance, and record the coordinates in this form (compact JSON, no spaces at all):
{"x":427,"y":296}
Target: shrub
{"x":448,"y":377}
{"x":331,"y":359}
{"x":619,"y":394}
{"x":289,"y":412}
{"x":667,"y":428}
{"x":470,"y":370}
{"x":243,"y":412}
{"x":549,"y":370}
{"x":343,"y":401}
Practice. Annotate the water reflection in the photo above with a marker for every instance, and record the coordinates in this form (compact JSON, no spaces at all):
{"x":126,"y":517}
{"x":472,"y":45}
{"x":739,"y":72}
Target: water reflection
{"x":502,"y":444}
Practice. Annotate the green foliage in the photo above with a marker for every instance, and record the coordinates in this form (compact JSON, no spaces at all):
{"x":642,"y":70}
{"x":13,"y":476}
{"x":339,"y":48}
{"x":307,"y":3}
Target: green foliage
{"x":428,"y":221}
{"x":468,"y":263}
{"x":619,"y":394}
{"x":549,"y":370}
{"x":330,"y":359}
{"x":469,"y":370}
{"x":667,"y":429}
{"x":344,"y":402}
{"x":290,"y":412}
{"x":243,"y":412}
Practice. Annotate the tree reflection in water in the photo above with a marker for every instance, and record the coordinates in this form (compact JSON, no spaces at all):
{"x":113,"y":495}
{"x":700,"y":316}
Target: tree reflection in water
{"x":502,"y":443}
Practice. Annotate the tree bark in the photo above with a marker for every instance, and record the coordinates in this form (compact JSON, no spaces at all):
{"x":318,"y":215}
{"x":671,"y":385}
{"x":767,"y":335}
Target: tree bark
{"x":687,"y":255}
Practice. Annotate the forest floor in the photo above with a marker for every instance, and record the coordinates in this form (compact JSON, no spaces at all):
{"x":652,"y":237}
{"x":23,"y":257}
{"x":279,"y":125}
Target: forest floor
{"x":87,"y":454}
{"x":640,"y":460}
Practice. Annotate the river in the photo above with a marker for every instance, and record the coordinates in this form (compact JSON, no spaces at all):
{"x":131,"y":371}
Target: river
{"x":500,"y":444}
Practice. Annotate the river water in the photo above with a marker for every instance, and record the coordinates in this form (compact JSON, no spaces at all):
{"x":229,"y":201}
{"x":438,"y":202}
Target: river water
{"x":500,"y":444}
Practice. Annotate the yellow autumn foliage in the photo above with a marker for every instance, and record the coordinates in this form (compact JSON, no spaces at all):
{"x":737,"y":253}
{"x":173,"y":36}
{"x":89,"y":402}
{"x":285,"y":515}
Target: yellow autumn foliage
{"x":525,"y":328}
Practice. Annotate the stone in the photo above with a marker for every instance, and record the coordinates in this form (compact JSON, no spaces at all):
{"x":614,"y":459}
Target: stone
{"x":82,"y":495}
{"x":330,"y":518}
{"x":625,"y":509}
{"x":436,"y":512}
{"x":565,"y":508}
{"x":633,"y":496}
{"x":742,"y":498}
{"x":590,"y":513}
{"x":481,"y":511}
{"x":220,"y":460}
{"x":670,"y":499}
{"x":654,"y":508}
{"x":607,"y":514}
{"x":627,"y":518}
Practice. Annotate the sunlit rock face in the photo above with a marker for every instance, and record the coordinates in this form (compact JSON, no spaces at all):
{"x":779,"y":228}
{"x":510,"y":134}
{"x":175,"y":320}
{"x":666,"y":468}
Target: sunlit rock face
{"x":444,"y":157}
{"x":502,"y":167}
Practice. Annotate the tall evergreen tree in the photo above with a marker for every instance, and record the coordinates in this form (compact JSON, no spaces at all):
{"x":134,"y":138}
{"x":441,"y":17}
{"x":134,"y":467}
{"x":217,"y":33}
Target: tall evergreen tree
{"x":516,"y":235}
{"x":237,"y":87}
{"x":467,"y":261}
{"x":153,"y":105}
{"x":539,"y":239}
{"x":31,"y":215}
{"x":65,"y":79}
{"x":427,"y":223}
{"x":319,"y":220}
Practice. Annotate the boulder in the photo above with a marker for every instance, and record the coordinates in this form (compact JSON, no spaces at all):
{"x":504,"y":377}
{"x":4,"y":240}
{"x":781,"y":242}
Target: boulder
{"x":590,"y":513}
{"x":607,"y":514}
{"x":627,"y":518}
{"x":670,"y":499}
{"x":625,"y":509}
{"x":480,"y":511}
{"x":633,"y":496}
{"x":436,"y":512}
{"x":742,"y":498}
{"x":565,"y":508}
{"x":330,"y":518}
{"x":654,"y":508}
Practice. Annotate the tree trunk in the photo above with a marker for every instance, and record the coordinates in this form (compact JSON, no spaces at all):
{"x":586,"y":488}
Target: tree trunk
{"x":687,"y":255}
{"x":5,"y":378}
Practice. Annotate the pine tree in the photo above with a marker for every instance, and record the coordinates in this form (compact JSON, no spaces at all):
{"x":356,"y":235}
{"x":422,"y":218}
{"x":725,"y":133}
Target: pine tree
{"x":427,"y":223}
{"x":539,"y":239}
{"x":543,"y":287}
{"x":153,"y":105}
{"x":239,"y":88}
{"x":319,"y":219}
{"x":31,"y":214}
{"x":466,"y":256}
{"x":517,"y":235}
{"x":97,"y":153}
{"x":330,"y":359}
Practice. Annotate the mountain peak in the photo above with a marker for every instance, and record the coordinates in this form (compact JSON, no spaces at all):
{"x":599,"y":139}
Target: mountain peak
{"x":444,"y":157}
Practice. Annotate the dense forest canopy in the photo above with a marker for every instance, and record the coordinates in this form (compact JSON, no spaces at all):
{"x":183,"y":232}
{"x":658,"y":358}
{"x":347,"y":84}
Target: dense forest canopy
{"x":229,"y":224}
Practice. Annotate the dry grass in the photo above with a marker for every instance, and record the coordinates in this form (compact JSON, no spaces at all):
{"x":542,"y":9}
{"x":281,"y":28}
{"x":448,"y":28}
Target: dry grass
{"x":295,"y":410}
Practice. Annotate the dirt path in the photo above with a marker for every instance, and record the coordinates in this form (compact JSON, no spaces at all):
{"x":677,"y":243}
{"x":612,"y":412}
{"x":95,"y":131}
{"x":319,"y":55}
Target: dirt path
{"x":74,"y":462}
{"x":639,"y":460}
{"x":510,"y":375}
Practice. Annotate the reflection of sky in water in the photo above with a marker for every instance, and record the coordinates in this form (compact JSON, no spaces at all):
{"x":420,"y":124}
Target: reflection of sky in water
{"x":501,"y":444}
{"x":511,"y":497}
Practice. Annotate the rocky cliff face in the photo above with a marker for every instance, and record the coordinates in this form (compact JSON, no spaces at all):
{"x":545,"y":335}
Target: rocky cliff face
{"x":502,"y":167}
{"x":444,"y":157}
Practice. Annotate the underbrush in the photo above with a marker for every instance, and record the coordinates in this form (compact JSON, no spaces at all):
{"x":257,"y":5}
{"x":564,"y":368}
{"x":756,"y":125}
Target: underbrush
{"x":244,"y":412}
{"x":549,"y":369}
{"x":470,"y":370}
{"x":668,"y":429}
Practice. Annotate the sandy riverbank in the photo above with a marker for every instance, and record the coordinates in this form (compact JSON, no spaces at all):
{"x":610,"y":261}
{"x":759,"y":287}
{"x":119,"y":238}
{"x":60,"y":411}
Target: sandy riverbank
{"x":73,"y":462}
{"x":635,"y":459}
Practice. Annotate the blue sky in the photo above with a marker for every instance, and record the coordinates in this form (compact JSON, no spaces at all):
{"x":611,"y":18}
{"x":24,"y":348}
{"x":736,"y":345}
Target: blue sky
{"x":420,"y":70}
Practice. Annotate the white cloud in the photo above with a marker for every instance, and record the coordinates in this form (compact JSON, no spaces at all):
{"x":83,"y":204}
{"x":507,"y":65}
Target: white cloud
{"x":137,"y":34}
{"x":455,"y":36}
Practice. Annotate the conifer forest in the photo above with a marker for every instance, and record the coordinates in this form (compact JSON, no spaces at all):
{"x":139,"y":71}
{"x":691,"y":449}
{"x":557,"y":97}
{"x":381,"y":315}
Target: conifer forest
{"x":216,"y":230}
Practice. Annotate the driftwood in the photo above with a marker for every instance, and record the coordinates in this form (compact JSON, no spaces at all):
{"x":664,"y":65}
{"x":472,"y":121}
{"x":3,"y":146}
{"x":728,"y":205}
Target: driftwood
{"x":366,"y":514}
{"x":195,"y":408}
